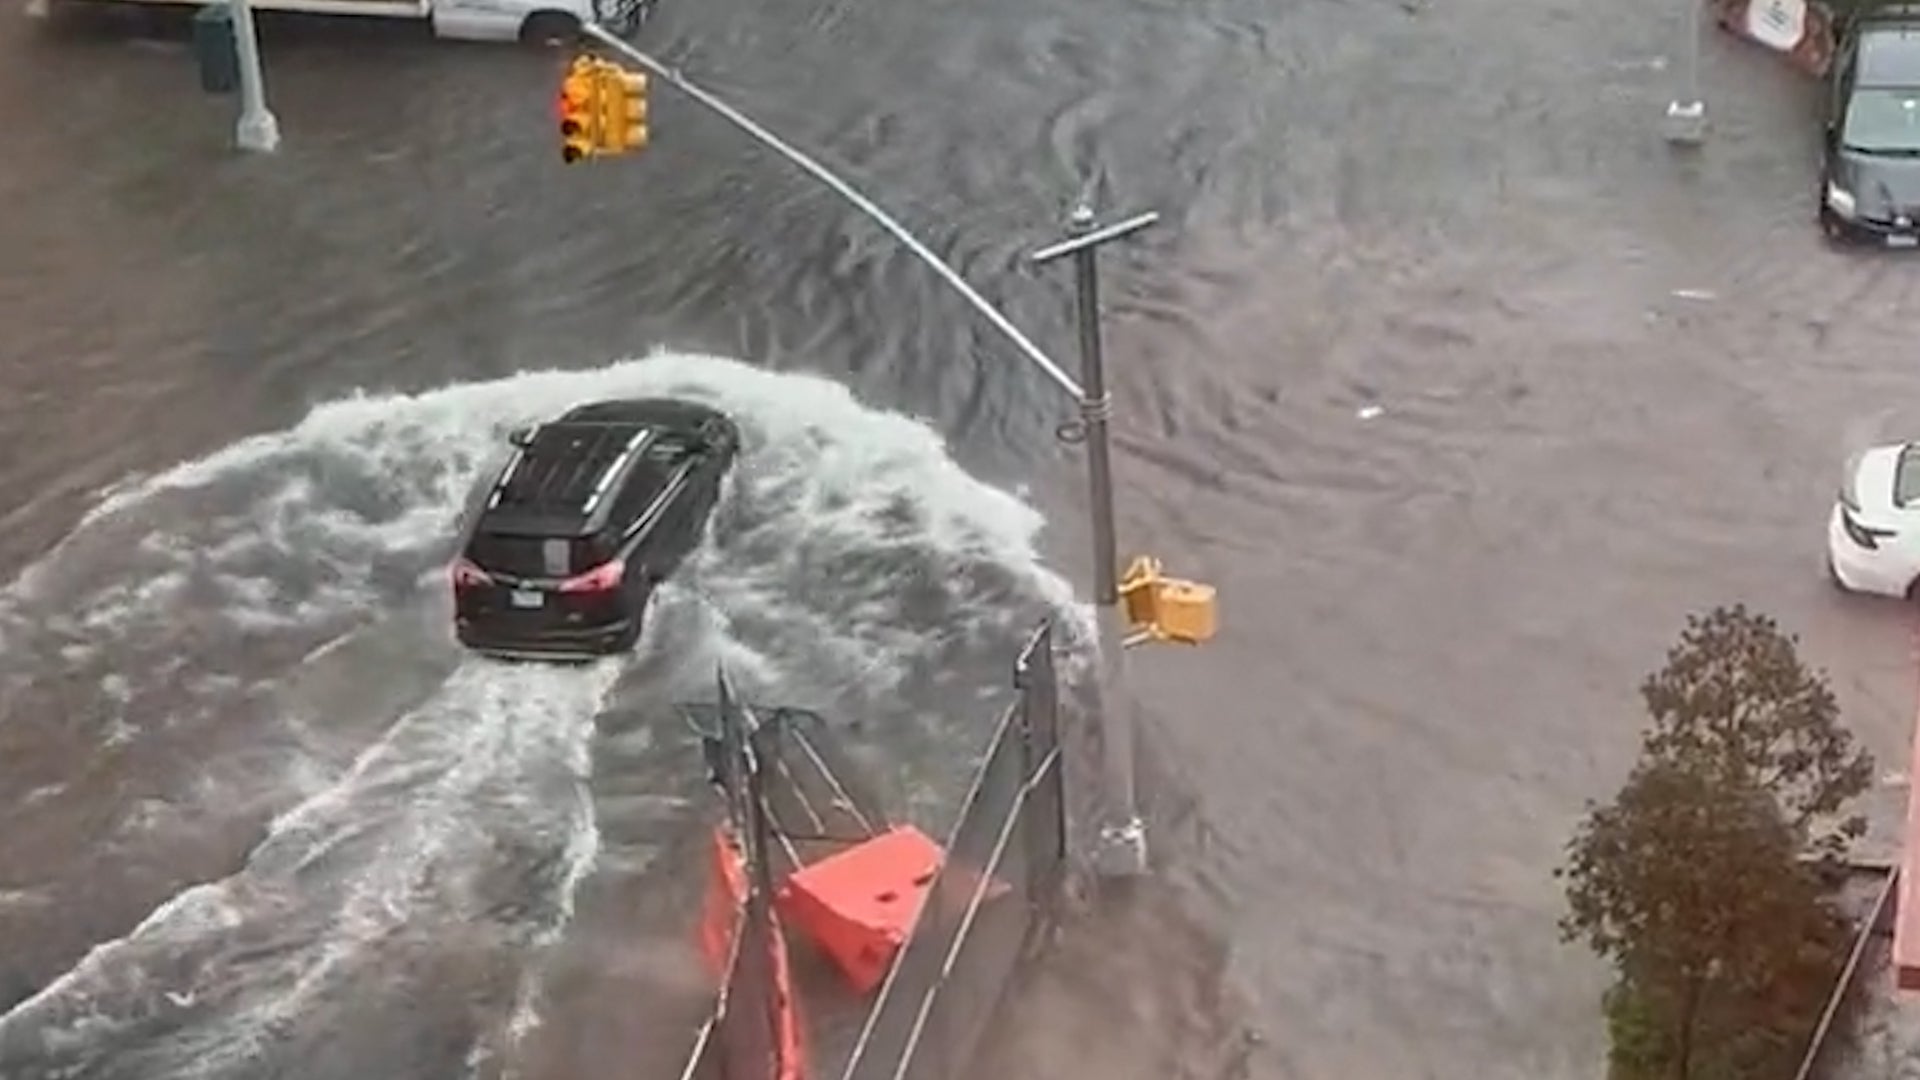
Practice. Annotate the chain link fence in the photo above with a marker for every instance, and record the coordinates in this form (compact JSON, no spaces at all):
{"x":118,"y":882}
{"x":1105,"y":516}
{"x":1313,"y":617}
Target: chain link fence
{"x":995,"y":897}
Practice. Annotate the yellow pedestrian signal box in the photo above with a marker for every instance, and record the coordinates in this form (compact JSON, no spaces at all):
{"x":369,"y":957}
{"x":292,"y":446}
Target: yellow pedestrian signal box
{"x":579,"y":112}
{"x":624,"y":96}
{"x":1161,"y":608}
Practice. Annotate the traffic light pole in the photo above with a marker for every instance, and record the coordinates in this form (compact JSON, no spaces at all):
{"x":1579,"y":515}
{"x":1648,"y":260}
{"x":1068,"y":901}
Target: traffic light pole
{"x":257,"y":130}
{"x":1123,"y":848}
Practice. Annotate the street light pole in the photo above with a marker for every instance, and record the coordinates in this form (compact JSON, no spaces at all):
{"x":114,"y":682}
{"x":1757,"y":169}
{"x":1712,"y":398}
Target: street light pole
{"x":257,"y":130}
{"x":1687,"y":113}
{"x":1122,"y":850}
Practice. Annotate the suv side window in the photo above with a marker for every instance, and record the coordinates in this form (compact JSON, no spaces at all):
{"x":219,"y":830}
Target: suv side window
{"x":678,"y":523}
{"x":678,"y":519}
{"x":632,"y":501}
{"x":635,"y":497}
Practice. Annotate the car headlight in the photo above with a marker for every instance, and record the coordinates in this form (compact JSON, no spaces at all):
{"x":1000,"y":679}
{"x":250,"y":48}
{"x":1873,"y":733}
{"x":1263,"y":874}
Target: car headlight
{"x":1840,"y":200}
{"x":1865,"y":536}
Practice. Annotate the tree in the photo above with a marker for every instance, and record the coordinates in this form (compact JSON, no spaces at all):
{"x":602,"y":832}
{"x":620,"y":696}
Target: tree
{"x":1694,"y":881}
{"x":1736,"y":699}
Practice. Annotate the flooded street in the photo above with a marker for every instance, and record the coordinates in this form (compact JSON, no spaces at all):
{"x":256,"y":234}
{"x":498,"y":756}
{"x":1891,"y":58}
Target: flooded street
{"x":1460,"y":384}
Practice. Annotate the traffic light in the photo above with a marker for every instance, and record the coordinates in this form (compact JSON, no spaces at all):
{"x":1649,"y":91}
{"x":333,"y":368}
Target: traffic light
{"x":579,"y":117}
{"x":1160,"y":608}
{"x":625,"y":100}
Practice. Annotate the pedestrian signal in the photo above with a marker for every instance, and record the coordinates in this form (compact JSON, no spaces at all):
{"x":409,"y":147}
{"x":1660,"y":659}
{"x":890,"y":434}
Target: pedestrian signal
{"x":1161,"y":608}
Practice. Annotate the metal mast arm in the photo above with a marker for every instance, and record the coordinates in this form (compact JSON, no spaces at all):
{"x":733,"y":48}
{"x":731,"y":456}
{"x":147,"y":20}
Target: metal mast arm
{"x":1175,"y":610}
{"x":852,"y":195}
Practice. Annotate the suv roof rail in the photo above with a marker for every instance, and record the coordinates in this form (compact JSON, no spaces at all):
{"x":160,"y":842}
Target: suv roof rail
{"x":570,"y":480}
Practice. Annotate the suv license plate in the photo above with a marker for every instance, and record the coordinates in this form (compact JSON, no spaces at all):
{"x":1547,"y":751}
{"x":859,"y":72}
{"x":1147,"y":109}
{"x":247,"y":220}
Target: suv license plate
{"x":528,"y":598}
{"x":1902,"y":240}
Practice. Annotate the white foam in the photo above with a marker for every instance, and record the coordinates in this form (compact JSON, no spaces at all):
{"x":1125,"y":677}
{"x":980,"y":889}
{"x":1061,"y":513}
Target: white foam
{"x":825,"y":464}
{"x":850,"y":548}
{"x":413,"y":789}
{"x":517,"y":715}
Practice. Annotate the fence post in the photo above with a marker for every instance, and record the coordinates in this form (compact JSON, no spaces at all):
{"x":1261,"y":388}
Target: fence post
{"x":1045,"y":824}
{"x":1031,"y":755}
{"x":760,"y":885}
{"x":732,"y":745}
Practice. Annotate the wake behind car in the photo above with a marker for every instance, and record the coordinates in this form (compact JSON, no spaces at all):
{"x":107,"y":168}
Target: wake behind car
{"x":590,"y":513}
{"x":1873,"y":533}
{"x":1870,"y":174}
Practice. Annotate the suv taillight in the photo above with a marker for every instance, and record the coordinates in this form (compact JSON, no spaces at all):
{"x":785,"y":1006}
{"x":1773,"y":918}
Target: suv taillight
{"x":466,"y":575}
{"x":601,"y":578}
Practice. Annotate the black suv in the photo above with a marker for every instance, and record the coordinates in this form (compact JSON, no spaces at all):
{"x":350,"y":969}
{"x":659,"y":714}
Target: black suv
{"x":1870,"y":175}
{"x":588,"y":515}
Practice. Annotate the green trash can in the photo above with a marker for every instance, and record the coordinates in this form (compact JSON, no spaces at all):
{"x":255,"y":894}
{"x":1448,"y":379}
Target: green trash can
{"x":216,"y":50}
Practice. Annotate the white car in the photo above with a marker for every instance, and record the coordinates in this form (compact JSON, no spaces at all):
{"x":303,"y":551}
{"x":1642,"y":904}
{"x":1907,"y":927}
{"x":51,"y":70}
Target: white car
{"x":1873,"y":537}
{"x":535,"y":22}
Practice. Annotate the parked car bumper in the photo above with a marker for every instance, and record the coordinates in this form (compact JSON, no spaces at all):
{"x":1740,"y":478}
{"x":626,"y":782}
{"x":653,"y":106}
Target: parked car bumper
{"x":1867,"y":232}
{"x":1862,"y":570}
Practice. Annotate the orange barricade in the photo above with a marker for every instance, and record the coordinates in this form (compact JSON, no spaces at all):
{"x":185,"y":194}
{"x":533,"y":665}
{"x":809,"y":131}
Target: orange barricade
{"x":793,"y":1059}
{"x":726,"y":898}
{"x":726,"y":893}
{"x":860,"y":904}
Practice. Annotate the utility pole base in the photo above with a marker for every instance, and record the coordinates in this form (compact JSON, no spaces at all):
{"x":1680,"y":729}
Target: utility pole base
{"x":1123,"y":850}
{"x":257,"y":132}
{"x":1686,"y":123}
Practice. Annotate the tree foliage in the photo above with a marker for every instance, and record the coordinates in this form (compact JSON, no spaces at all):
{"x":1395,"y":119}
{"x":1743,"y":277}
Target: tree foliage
{"x":1694,"y":881}
{"x":1736,"y":700}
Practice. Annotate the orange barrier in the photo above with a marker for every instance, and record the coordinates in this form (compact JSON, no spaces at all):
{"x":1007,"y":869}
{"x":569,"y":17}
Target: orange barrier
{"x":793,"y":1059}
{"x":860,"y":904}
{"x":725,"y":900}
{"x":726,"y":894}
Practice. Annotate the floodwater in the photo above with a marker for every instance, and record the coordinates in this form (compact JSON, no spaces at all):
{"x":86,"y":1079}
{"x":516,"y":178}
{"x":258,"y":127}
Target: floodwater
{"x":1461,"y":386}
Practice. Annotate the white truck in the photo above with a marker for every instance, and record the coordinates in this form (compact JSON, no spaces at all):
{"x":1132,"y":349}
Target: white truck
{"x":535,"y":22}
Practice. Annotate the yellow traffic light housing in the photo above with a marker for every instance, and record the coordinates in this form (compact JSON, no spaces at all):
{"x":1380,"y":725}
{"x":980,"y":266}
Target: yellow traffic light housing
{"x":580,"y":119}
{"x":1161,"y":608}
{"x":623,"y":109}
{"x":632,"y":100}
{"x":603,"y":110}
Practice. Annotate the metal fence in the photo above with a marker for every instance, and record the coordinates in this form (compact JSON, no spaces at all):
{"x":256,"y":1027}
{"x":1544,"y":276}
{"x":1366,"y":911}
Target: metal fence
{"x":743,"y":1039}
{"x":1823,"y":1050}
{"x":994,"y":898}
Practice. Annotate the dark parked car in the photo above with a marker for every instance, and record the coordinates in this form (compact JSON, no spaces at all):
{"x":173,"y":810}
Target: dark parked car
{"x":591,"y":512}
{"x":1870,"y":179}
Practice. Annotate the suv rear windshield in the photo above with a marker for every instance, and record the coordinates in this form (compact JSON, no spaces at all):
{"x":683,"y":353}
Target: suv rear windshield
{"x":536,"y":556}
